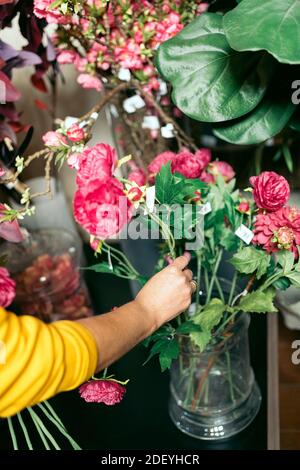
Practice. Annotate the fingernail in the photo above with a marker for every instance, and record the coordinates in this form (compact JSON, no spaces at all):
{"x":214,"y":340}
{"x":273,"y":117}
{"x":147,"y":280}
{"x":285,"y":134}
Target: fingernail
{"x":187,"y":254}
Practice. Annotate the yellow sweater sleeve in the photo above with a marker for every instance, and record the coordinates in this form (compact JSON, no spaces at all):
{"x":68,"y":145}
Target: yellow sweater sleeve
{"x":38,"y":360}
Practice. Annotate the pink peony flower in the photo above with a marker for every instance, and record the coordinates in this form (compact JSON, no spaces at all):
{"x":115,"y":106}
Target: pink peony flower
{"x":270,"y":190}
{"x":222,"y":168}
{"x":10,"y":231}
{"x":102,"y":208}
{"x":89,"y":81}
{"x":104,"y":391}
{"x":7,"y":288}
{"x":98,"y":162}
{"x":204,"y":155}
{"x":66,"y":57}
{"x":54,"y":139}
{"x":188,"y":164}
{"x":278,"y":230}
{"x":138,"y":176}
{"x":73,"y":160}
{"x":75,"y":133}
{"x":156,"y":164}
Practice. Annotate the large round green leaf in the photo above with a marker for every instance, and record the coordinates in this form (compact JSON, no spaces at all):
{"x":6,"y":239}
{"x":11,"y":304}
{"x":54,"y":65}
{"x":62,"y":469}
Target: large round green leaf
{"x":265,"y":121}
{"x":211,"y":82}
{"x":271,"y":25}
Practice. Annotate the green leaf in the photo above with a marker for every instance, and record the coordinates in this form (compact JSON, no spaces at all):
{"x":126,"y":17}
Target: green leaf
{"x":166,"y":356}
{"x":271,"y":25}
{"x":265,"y":121}
{"x":104,"y":267}
{"x":283,"y":283}
{"x":258,"y":302}
{"x":288,"y":158}
{"x":164,"y":184}
{"x":165,"y":331}
{"x":286,"y":260}
{"x":229,"y":240}
{"x":250,"y":259}
{"x":187,"y":327}
{"x":294,"y":277}
{"x":211,"y":315}
{"x":211,"y":82}
{"x":201,"y":339}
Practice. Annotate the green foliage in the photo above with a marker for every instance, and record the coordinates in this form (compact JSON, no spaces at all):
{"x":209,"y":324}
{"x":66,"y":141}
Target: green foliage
{"x":207,"y":319}
{"x":236,"y":70}
{"x":259,"y":301}
{"x":175,"y":189}
{"x":286,"y":260}
{"x":251,"y":259}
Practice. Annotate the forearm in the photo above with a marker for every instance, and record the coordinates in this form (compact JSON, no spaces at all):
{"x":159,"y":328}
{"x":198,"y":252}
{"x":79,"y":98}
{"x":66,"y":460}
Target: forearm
{"x":119,"y":331}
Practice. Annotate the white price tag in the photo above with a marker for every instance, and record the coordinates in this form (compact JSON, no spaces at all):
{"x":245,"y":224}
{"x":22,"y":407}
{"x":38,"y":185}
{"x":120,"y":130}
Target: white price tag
{"x":167,"y":131}
{"x":132,"y":104}
{"x":205,"y":209}
{"x":163,"y":89}
{"x":124,"y":74}
{"x":69,"y":121}
{"x":150,"y":198}
{"x":244,"y":233}
{"x":150,"y":122}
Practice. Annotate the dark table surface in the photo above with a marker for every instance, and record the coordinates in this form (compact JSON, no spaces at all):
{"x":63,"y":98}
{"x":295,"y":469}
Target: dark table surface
{"x":141,"y":420}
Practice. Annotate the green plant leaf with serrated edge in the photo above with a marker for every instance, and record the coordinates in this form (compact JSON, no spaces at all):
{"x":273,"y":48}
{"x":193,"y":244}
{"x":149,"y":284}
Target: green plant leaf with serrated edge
{"x":286,"y":260}
{"x":271,"y":25}
{"x":201,"y":339}
{"x":211,"y":315}
{"x":259,"y":301}
{"x":294,"y":277}
{"x":187,"y":327}
{"x":250,"y":259}
{"x":212,"y":82}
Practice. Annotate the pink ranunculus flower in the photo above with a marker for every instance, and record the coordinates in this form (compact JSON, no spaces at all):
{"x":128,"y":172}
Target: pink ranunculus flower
{"x":54,"y":139}
{"x":66,"y":57}
{"x":222,"y":168}
{"x":7,"y":288}
{"x":96,"y":163}
{"x":75,"y":133}
{"x":138,"y":176}
{"x":73,"y":160}
{"x":188,"y":164}
{"x":10,"y":231}
{"x":270,"y":190}
{"x":89,"y":82}
{"x":102,"y":208}
{"x":156,"y":164}
{"x":107,"y":391}
{"x":278,"y":230}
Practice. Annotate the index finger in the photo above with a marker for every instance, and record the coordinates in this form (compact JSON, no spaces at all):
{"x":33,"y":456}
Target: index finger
{"x":182,"y":261}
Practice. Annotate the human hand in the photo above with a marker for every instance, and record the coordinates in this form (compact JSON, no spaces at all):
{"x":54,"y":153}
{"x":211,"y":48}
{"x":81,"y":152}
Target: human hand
{"x":167,"y":293}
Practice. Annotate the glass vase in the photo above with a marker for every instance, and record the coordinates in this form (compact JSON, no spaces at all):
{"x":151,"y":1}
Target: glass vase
{"x":49,"y":284}
{"x":213,"y":393}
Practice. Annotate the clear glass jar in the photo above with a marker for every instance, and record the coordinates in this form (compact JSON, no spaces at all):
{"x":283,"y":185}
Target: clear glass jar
{"x":46,"y":270}
{"x":213,"y":393}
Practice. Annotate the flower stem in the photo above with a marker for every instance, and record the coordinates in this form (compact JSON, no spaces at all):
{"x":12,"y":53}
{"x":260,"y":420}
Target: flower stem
{"x":25,"y":432}
{"x":214,"y":273}
{"x":198,"y":254}
{"x":12,"y":434}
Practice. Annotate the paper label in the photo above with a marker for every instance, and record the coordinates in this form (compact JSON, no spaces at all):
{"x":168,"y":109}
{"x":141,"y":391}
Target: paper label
{"x":150,"y":122}
{"x":133,"y":103}
{"x":124,"y":74}
{"x":244,"y":233}
{"x":69,"y":121}
{"x":163,"y":89}
{"x":205,"y":209}
{"x":150,"y":198}
{"x":167,"y":131}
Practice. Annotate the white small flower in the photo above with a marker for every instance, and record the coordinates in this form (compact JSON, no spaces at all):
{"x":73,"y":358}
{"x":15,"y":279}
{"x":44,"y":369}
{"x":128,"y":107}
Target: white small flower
{"x":19,"y":164}
{"x":25,"y":196}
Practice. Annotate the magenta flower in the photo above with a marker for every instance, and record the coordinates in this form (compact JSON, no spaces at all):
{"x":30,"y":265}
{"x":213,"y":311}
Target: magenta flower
{"x":107,"y":391}
{"x":98,"y":162}
{"x":7,"y":288}
{"x":75,"y":133}
{"x":138,"y":176}
{"x":188,"y":164}
{"x":270,"y":190}
{"x":156,"y":164}
{"x":89,"y":82}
